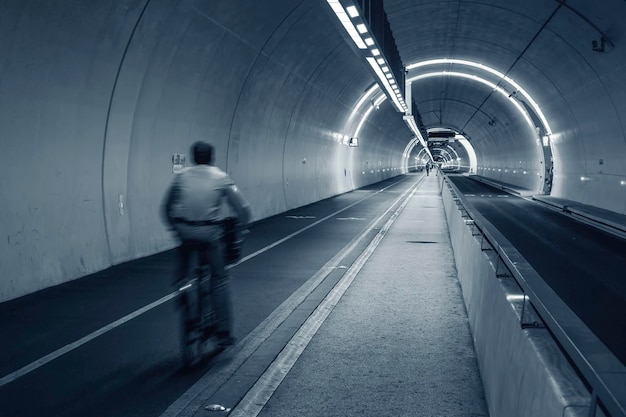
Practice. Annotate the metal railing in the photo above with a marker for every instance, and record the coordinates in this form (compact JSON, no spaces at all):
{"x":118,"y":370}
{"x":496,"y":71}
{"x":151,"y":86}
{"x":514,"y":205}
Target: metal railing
{"x":600,"y":369}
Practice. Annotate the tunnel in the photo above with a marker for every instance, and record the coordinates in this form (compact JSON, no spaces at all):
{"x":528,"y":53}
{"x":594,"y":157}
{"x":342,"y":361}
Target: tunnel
{"x":304,"y":101}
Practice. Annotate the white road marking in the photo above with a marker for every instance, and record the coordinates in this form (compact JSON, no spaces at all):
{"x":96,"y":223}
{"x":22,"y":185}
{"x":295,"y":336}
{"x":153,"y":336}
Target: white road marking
{"x":62,"y":351}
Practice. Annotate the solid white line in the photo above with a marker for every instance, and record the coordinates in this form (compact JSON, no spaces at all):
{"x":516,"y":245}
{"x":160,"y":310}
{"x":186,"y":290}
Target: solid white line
{"x":59,"y":352}
{"x":260,"y":393}
{"x":67,"y":348}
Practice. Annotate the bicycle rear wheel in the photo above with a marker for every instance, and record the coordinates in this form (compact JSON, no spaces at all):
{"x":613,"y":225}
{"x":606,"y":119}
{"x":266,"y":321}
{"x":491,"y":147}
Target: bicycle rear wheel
{"x":191,"y":345}
{"x":191,"y":337}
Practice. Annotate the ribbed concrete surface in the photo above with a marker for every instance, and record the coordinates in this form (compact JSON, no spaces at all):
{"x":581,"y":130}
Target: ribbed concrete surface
{"x":398,"y":343}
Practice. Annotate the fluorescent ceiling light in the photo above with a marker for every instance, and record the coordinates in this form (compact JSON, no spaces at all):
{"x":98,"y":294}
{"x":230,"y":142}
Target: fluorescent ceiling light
{"x":375,"y":52}
{"x":347,"y":24}
{"x":352,"y":11}
{"x":361,"y":28}
{"x":385,"y":68}
{"x":385,"y":82}
{"x":389,"y":75}
{"x":493,"y":86}
{"x":381,"y":61}
{"x":410,"y":121}
{"x":369,"y":41}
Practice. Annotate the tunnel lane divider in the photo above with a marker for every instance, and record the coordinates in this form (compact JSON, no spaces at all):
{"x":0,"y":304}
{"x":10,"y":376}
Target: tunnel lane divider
{"x":197,"y":395}
{"x":74,"y":345}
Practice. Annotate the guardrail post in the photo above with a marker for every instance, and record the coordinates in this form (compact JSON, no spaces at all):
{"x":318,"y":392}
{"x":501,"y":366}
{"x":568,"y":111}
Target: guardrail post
{"x":506,"y":273}
{"x":534,"y":324}
{"x":482,"y":248}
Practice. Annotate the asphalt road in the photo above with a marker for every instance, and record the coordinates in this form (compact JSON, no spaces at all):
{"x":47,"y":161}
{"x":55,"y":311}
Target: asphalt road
{"x":135,"y":368}
{"x":585,"y":266}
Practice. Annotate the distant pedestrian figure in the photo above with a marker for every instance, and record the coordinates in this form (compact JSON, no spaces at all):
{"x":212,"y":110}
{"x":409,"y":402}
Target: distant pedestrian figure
{"x":427,"y":168}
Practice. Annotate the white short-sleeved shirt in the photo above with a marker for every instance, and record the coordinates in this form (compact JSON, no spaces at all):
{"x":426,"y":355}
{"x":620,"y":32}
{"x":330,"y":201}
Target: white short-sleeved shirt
{"x":199,"y":193}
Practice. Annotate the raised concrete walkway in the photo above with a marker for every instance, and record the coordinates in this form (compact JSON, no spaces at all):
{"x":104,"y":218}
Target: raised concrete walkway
{"x":398,"y":342}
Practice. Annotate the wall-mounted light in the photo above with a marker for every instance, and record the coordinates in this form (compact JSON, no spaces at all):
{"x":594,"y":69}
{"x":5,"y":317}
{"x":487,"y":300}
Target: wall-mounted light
{"x":353,"y":143}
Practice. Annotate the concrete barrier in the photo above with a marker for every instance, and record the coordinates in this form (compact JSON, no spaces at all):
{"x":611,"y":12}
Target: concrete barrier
{"x":523,"y":370}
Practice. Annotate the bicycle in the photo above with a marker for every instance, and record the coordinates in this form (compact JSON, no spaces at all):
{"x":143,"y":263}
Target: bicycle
{"x":198,"y":328}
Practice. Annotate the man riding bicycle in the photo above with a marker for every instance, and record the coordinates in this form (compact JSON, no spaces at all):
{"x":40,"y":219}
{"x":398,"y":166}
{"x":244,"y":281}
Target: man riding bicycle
{"x":194,"y":208}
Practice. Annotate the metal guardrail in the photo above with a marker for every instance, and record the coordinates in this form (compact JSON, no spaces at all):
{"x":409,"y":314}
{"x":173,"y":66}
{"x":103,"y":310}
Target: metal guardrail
{"x":604,"y":374}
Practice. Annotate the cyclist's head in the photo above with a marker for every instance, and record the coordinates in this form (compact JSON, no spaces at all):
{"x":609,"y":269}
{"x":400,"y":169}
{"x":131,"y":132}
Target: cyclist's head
{"x":202,"y":153}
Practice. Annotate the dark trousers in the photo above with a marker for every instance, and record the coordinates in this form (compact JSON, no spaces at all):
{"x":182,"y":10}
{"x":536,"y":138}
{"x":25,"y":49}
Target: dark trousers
{"x":211,"y":259}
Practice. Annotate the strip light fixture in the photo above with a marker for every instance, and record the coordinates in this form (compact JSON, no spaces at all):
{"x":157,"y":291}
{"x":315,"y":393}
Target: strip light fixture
{"x":356,"y":26}
{"x":410,"y":121}
{"x":498,"y":74}
{"x":491,"y":85}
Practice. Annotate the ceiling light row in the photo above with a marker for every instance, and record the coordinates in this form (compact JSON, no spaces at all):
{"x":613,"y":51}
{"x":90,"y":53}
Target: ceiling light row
{"x":410,"y":121}
{"x":355,"y":26}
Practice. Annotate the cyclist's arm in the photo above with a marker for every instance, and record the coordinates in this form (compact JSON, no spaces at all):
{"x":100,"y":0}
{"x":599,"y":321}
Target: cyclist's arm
{"x":239,"y":204}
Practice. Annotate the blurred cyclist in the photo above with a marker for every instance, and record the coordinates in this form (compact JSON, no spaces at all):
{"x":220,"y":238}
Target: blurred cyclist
{"x":194,"y":208}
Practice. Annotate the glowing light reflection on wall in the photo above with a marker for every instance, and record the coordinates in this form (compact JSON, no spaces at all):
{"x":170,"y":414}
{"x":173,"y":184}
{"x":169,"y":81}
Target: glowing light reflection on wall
{"x":476,"y":78}
{"x":490,"y":70}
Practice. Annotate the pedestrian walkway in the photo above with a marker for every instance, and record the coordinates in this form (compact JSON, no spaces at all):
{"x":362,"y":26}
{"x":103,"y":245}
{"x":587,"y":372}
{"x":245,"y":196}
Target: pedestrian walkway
{"x":398,"y":342}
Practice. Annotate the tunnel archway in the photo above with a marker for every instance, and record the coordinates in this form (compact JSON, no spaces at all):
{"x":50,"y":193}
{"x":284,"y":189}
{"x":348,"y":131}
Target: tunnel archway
{"x":537,"y":132}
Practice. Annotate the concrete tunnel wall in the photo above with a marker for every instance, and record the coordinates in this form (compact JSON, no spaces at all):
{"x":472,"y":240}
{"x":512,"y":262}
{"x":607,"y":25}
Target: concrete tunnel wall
{"x":96,"y":97}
